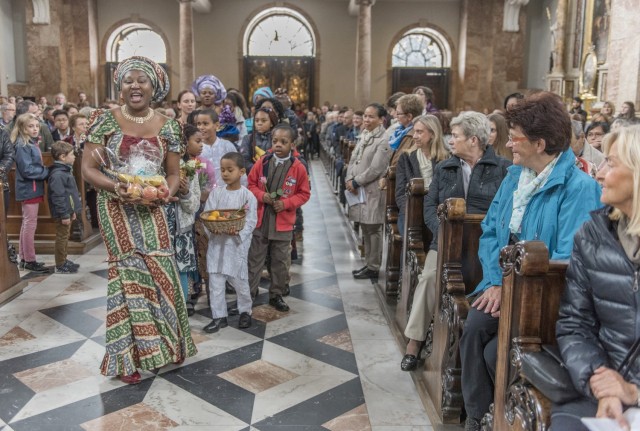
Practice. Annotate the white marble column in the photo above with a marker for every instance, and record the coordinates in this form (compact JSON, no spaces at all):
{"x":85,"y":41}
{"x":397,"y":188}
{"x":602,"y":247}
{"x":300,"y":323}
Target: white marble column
{"x":186,"y":44}
{"x":363,"y":53}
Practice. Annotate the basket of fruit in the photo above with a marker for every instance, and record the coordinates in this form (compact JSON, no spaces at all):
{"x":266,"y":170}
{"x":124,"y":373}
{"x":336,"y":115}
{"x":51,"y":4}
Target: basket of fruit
{"x":224,"y":221}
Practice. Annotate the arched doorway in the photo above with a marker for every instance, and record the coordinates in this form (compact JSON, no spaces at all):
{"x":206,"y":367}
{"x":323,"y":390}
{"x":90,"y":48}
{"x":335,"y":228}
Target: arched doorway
{"x":132,"y":39}
{"x":422,"y":56}
{"x":279,"y":51}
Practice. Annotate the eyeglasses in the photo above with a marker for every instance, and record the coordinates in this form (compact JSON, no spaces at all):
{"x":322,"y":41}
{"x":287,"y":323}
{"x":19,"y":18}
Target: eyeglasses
{"x":518,"y":139}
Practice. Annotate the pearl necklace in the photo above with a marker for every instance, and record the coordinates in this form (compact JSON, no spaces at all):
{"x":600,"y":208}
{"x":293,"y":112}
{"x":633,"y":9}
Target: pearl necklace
{"x":134,"y":119}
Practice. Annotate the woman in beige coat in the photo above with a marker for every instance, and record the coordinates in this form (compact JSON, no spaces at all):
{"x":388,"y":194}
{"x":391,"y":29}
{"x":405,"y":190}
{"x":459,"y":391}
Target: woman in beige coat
{"x":367,"y":165}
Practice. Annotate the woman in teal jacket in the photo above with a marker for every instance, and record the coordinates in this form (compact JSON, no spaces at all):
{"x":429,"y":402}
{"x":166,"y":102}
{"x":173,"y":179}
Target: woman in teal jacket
{"x":544,"y":197}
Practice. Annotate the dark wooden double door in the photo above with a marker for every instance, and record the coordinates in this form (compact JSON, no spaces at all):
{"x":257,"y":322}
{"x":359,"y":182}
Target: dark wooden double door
{"x":296,"y":74}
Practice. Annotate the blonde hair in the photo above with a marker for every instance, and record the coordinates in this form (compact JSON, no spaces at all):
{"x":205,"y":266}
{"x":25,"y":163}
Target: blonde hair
{"x":438,"y":150}
{"x":628,"y":146}
{"x":20,"y":128}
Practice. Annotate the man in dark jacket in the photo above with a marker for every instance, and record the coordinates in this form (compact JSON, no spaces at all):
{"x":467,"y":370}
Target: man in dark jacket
{"x":64,"y":202}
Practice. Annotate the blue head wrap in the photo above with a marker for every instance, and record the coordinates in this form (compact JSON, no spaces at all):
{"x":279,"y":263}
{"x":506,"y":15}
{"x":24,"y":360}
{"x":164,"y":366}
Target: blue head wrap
{"x":264,"y":92}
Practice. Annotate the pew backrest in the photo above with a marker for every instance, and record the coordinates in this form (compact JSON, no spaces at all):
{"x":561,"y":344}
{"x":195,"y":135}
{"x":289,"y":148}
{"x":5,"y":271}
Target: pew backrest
{"x":532,"y":289}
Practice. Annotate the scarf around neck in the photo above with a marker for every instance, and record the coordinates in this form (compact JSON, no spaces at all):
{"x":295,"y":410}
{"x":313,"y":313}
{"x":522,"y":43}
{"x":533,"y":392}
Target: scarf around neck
{"x":366,"y":138}
{"x":398,"y":135}
{"x":528,"y":185}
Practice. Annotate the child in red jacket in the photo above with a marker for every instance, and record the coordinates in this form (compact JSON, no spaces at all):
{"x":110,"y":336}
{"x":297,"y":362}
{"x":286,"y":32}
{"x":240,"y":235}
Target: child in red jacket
{"x":280,"y":183}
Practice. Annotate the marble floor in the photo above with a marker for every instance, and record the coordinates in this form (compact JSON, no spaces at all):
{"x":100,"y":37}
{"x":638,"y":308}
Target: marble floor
{"x":331,"y":363}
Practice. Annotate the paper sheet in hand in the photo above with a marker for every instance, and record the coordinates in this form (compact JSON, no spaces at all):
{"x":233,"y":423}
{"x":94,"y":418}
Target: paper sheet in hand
{"x":355,"y":199}
{"x":601,"y":424}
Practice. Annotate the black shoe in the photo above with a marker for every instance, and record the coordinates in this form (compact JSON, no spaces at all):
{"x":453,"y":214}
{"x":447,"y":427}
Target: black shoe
{"x":278,"y":303}
{"x":215,"y":325}
{"x":367,"y":273}
{"x":409,"y":363}
{"x":355,"y":271}
{"x":24,"y":262}
{"x":191,"y":310}
{"x":245,"y":321}
{"x":65,"y":269}
{"x":75,"y":265}
{"x":472,"y":424}
{"x":36,"y":267}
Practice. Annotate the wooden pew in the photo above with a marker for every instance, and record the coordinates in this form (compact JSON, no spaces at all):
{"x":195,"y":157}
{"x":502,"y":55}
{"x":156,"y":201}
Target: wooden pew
{"x":393,"y":237}
{"x":459,"y":272}
{"x":532,"y":287}
{"x":416,"y":240}
{"x":10,"y":283}
{"x":81,"y":239}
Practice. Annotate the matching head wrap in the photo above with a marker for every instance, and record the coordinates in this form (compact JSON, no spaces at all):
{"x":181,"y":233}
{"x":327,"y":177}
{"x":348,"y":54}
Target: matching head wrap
{"x":212,"y":82}
{"x":264,"y":92}
{"x":155,"y":72}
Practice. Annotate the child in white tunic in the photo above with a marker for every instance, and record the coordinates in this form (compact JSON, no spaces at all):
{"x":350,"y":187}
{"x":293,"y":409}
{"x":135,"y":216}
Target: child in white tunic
{"x":227,"y":254}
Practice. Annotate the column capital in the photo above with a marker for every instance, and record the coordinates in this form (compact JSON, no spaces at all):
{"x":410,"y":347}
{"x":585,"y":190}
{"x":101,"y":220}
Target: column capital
{"x":41,"y":12}
{"x":354,"y":5}
{"x":512,"y":14}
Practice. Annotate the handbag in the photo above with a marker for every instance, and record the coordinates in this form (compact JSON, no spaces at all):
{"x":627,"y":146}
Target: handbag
{"x":548,"y":373}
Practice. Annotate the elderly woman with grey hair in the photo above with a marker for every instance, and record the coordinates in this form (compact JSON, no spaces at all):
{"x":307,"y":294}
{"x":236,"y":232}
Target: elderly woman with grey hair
{"x":474,"y":172}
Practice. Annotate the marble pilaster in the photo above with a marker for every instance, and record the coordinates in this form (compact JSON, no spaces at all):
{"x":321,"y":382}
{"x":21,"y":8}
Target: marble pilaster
{"x":623,"y":56}
{"x":559,"y":33}
{"x":363,"y":53}
{"x":187,"y":53}
{"x":60,"y":52}
{"x":491,"y":61}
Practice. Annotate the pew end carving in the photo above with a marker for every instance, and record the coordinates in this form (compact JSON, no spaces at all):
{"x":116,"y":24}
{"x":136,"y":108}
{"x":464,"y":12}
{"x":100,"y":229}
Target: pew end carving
{"x":458,"y":274}
{"x":393,"y":237}
{"x":416,"y":241}
{"x":531,"y":292}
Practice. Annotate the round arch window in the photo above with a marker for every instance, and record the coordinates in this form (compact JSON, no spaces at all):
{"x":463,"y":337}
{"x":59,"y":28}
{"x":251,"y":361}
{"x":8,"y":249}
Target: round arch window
{"x":421,"y":47}
{"x":279,"y":32}
{"x":136,"y":39}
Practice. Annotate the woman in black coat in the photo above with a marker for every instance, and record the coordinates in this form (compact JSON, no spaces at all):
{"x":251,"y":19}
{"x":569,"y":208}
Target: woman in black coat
{"x":600,"y":310}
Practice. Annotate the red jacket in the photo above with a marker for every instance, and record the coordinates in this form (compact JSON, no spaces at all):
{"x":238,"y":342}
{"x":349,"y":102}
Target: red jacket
{"x":296,"y":191}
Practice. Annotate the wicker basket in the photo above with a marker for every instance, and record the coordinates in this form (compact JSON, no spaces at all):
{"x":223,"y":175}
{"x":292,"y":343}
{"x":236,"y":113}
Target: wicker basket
{"x":225,"y":226}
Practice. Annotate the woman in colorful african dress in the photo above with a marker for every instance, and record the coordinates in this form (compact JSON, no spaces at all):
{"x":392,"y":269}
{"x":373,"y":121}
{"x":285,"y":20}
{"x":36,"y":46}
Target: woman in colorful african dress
{"x":147,"y":324}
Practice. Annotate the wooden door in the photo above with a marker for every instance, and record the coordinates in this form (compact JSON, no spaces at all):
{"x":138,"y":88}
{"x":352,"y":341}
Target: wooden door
{"x":296,"y":74}
{"x":405,"y":79}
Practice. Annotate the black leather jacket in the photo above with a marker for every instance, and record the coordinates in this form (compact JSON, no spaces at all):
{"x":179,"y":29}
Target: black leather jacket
{"x":6,"y":157}
{"x":486,"y":177}
{"x":600,"y":309}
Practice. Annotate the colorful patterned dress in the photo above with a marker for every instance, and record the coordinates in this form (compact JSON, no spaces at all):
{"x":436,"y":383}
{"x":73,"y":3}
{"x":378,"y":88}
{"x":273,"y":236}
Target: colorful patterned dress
{"x":147,"y":324}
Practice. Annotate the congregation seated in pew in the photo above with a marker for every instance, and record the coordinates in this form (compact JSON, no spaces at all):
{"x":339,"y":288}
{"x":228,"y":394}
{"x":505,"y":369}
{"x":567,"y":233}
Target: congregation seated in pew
{"x":543,"y":197}
{"x":473,"y":172}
